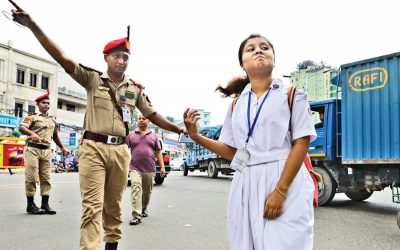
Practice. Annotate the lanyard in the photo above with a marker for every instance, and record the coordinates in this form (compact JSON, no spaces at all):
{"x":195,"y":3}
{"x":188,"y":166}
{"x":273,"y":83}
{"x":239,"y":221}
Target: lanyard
{"x":257,"y":114}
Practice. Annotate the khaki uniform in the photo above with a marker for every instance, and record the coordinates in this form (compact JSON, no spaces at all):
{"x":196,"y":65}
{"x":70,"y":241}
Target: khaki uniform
{"x":36,"y":159}
{"x":103,"y":168}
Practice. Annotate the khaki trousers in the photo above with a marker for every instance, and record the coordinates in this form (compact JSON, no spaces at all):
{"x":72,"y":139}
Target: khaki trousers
{"x":142,"y":186}
{"x":103,"y":176}
{"x":37,"y":161}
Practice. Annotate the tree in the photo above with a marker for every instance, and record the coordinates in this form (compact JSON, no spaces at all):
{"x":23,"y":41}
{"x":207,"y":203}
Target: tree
{"x":305,"y":64}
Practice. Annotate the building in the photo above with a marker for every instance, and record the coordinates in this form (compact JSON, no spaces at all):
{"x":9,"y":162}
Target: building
{"x":316,"y":79}
{"x":23,"y":77}
{"x":205,"y":118}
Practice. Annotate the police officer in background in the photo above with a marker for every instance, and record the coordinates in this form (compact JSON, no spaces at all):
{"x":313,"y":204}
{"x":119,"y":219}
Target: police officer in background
{"x":40,"y":129}
{"x":103,"y":152}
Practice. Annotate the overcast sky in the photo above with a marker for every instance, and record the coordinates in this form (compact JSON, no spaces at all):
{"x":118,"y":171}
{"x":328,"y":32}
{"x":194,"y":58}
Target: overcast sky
{"x":182,"y":49}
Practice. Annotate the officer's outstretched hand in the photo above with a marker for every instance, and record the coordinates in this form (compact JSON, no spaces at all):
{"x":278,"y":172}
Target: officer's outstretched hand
{"x":19,"y":15}
{"x":190,"y":118}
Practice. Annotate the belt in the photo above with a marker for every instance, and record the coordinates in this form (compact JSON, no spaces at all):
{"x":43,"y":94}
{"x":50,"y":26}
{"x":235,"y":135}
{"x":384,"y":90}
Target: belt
{"x":39,"y":146}
{"x":108,"y":139}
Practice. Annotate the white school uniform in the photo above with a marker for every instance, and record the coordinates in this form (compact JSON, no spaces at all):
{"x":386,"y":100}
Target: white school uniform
{"x":269,"y":147}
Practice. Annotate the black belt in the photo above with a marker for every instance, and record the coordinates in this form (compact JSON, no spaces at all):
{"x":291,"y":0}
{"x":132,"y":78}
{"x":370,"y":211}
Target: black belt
{"x":39,"y":146}
{"x":108,"y":139}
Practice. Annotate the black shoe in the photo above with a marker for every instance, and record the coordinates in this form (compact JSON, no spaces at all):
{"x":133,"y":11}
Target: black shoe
{"x":135,"y":221}
{"x":47,"y":209}
{"x":45,"y":205}
{"x":144,"y":213}
{"x":33,"y":209}
{"x":111,"y":246}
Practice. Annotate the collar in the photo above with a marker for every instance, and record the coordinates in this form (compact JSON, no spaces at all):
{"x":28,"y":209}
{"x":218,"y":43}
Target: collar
{"x":140,"y":132}
{"x":276,"y":84}
{"x":125,"y":81}
{"x":40,"y":114}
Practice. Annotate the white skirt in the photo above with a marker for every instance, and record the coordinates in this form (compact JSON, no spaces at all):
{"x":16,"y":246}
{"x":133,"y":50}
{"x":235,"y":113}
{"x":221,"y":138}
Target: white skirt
{"x":246,"y":226}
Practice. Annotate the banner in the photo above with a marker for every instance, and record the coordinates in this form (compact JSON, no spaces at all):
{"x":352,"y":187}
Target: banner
{"x":12,"y":155}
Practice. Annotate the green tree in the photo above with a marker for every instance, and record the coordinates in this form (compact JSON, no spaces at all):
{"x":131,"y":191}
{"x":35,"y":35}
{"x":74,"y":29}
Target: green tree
{"x":305,"y":64}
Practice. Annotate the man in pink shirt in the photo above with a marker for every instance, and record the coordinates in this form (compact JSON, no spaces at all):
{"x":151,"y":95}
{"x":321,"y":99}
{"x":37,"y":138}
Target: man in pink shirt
{"x":145,"y":149}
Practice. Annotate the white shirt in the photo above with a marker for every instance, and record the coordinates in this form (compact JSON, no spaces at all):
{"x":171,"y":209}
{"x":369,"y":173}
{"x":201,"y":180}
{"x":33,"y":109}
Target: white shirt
{"x":271,"y":139}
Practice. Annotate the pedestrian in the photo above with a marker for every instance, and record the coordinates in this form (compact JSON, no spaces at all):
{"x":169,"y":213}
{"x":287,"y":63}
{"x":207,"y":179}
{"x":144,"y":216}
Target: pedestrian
{"x":271,"y":198}
{"x":145,"y":149}
{"x":10,"y":171}
{"x":103,"y":153}
{"x":40,"y":128}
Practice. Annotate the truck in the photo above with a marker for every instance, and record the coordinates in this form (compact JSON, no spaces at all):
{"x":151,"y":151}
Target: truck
{"x":199,"y":158}
{"x":357,"y":151}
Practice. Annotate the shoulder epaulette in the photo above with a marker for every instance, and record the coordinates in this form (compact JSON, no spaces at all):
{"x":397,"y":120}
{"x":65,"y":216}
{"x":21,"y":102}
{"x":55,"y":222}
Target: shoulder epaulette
{"x":90,"y":69}
{"x":136,"y":84}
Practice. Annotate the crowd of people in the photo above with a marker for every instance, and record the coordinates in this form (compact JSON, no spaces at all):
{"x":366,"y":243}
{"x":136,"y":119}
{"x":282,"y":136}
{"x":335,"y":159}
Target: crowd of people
{"x":68,"y":160}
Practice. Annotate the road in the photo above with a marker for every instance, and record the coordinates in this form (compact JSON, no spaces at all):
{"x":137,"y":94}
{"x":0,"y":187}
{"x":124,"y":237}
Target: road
{"x":184,"y":213}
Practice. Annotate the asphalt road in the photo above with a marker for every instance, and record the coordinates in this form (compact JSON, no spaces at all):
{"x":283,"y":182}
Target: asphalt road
{"x":184,"y":213}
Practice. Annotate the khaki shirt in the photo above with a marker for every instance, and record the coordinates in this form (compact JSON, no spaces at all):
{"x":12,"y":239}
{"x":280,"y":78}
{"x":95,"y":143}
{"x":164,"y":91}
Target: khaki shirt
{"x":101,"y":115}
{"x":44,"y":126}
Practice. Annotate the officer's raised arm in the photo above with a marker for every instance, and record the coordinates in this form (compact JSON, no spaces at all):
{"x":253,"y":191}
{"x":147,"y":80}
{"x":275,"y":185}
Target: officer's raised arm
{"x":23,"y":18}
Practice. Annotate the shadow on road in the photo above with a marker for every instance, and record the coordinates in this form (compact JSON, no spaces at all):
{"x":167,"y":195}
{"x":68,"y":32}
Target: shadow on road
{"x":364,"y":206}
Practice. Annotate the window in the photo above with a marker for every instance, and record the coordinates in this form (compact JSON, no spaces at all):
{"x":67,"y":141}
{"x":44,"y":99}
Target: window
{"x":31,"y":109}
{"x":33,"y":80}
{"x":70,"y":107}
{"x":20,"y":76}
{"x":45,"y":82}
{"x":18,"y":109}
{"x":59,"y":105}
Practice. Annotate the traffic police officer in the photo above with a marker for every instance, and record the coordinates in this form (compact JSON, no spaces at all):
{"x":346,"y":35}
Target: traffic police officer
{"x":103,"y":152}
{"x":40,"y":129}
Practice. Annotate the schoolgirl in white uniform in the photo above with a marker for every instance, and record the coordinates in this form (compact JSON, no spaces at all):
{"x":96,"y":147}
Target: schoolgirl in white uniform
{"x":271,"y":197}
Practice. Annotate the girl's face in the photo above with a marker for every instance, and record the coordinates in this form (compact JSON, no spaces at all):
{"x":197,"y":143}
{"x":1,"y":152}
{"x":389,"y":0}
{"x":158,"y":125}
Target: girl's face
{"x":258,"y":56}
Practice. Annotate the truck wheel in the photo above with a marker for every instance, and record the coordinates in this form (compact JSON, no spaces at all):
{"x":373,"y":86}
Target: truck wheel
{"x":185,"y":170}
{"x":326,"y":189}
{"x":212,"y":170}
{"x":360,"y":195}
{"x":158,"y":180}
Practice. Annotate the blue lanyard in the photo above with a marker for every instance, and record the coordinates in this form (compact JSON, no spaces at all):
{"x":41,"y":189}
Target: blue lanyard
{"x":257,"y":114}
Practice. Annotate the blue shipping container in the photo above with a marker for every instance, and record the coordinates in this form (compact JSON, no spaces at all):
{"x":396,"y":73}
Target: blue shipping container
{"x":370,"y":110}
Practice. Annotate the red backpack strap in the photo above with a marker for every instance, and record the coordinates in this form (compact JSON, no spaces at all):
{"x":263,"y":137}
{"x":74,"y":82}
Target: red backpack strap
{"x":291,"y":100}
{"x":291,"y":96}
{"x":234,"y":101}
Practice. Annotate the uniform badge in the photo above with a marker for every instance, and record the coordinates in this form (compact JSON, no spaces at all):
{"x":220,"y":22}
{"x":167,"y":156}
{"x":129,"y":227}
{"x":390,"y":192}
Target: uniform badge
{"x":129,"y":94}
{"x":26,"y":119}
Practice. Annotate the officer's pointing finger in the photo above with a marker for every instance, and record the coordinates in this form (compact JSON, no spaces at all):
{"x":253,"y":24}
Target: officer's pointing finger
{"x":15,"y":5}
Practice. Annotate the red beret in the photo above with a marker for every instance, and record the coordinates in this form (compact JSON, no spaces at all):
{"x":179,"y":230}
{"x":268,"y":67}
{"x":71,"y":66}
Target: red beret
{"x":45,"y":96}
{"x":120,"y":44}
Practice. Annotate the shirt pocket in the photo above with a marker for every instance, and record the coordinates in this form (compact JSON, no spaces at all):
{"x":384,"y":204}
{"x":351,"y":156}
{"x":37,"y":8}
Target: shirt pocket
{"x":102,"y":100}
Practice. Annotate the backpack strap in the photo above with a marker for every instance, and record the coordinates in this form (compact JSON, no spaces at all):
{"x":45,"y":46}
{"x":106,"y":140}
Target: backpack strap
{"x":291,"y":101}
{"x":291,"y":96}
{"x":234,"y":101}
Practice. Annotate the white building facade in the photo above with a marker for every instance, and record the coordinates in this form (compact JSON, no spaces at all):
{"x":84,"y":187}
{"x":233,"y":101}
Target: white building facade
{"x":23,"y":77}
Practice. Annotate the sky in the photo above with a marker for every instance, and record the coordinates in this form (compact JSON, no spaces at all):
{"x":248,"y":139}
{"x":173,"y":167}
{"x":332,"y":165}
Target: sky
{"x":184,"y":49}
